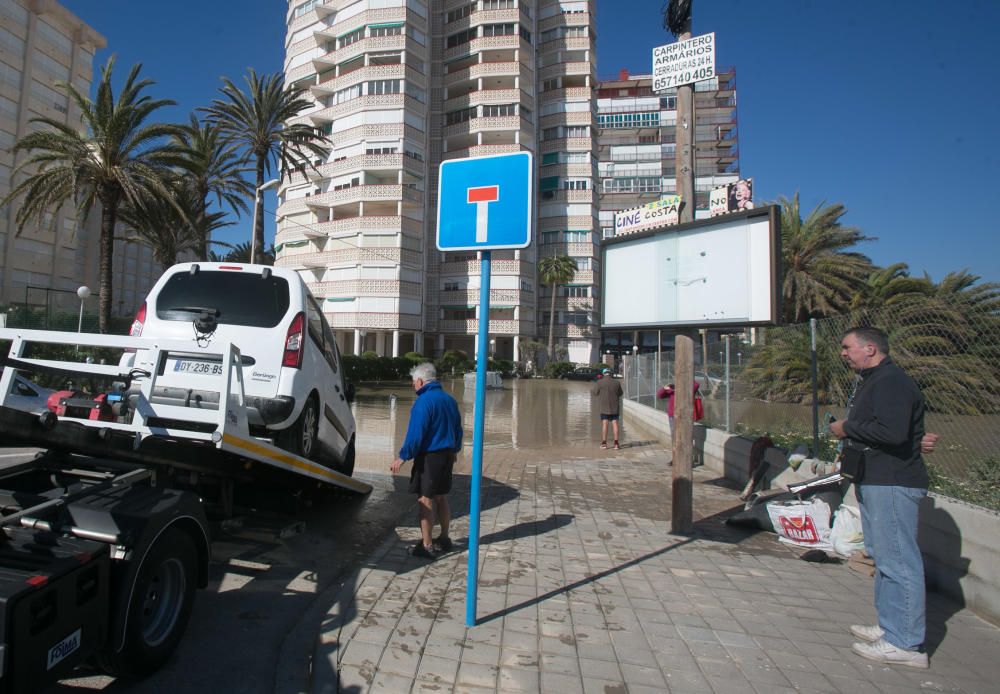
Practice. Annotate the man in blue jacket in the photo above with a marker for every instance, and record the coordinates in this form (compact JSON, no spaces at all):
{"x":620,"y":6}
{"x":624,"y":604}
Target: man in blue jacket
{"x":433,"y":439}
{"x":885,"y":421}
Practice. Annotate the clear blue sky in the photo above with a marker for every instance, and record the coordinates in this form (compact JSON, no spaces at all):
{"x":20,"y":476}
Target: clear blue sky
{"x":886,"y":107}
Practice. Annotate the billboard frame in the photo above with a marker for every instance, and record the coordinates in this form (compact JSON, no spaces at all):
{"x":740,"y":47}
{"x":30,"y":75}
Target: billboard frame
{"x":773,"y":215}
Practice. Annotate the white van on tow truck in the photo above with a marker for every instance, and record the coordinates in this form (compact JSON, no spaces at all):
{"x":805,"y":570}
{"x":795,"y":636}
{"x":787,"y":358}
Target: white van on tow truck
{"x":296,"y":392}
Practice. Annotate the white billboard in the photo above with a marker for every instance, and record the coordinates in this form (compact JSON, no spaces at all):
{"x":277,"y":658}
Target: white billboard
{"x":716,"y":272}
{"x":684,"y":62}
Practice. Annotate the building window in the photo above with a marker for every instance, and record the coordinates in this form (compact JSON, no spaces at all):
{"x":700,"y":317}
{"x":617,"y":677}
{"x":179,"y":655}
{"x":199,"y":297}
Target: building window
{"x":353,"y":37}
{"x":498,"y":4}
{"x":305,"y":7}
{"x":500,"y":110}
{"x":498,"y":30}
{"x":461,"y":37}
{"x":459,"y":13}
{"x":629,"y":120}
{"x":382,"y":149}
{"x":576,"y":184}
{"x":385,"y":86}
{"x":550,"y":84}
{"x":458,"y":313}
{"x":396,"y":30}
{"x":460,"y":116}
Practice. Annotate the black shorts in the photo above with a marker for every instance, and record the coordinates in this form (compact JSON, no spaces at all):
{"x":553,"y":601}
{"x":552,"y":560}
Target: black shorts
{"x":431,"y":474}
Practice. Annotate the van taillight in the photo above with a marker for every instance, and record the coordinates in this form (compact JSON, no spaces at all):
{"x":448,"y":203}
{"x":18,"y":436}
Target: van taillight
{"x":295,"y":342}
{"x":138,"y":321}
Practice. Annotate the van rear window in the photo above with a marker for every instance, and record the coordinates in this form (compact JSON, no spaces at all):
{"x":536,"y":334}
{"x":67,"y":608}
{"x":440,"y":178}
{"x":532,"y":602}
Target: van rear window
{"x":241,"y":298}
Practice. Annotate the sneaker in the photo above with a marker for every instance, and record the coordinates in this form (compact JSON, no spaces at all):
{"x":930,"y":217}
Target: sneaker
{"x":604,"y":444}
{"x":420,"y":551}
{"x":443,"y":544}
{"x":882,"y":651}
{"x":617,"y":447}
{"x":867,"y":633}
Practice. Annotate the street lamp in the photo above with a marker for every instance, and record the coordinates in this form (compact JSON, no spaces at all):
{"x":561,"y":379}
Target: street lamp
{"x":84,"y":293}
{"x":256,"y":205}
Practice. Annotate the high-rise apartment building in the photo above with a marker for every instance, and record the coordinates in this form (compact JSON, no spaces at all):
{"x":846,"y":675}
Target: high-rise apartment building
{"x":637,"y":151}
{"x":399,"y":86}
{"x":42,"y":44}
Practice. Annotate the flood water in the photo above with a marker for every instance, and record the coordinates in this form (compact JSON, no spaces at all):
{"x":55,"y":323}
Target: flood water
{"x":526,"y":413}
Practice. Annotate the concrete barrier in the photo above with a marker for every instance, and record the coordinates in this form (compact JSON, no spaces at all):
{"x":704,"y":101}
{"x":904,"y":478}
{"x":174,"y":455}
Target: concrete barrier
{"x":959,"y":540}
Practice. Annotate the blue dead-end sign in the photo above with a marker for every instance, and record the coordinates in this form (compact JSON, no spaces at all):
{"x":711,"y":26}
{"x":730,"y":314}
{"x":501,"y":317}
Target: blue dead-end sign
{"x":484,"y":203}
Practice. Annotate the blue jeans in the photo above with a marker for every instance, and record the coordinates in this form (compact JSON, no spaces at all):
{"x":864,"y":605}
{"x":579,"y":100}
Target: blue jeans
{"x":889,"y":522}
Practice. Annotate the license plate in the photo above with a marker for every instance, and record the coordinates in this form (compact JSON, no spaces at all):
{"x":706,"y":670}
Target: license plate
{"x":194,"y":366}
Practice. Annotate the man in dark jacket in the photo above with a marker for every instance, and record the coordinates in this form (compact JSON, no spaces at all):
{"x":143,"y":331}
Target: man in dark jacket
{"x":885,"y":420}
{"x":433,"y":439}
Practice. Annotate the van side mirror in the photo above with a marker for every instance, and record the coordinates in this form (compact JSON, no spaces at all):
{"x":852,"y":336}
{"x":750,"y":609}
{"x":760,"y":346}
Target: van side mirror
{"x":349,"y":392}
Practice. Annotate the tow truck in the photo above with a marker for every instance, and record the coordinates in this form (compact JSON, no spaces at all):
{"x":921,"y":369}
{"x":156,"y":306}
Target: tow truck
{"x":105,"y":532}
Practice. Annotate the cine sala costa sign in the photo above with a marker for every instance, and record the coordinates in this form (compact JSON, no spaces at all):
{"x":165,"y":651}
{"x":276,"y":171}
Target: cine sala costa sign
{"x":661,"y":213}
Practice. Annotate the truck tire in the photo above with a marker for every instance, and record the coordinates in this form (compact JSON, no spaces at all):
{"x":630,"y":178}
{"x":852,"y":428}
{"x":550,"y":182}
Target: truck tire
{"x":302,"y":437}
{"x":158,"y":608}
{"x":350,"y":454}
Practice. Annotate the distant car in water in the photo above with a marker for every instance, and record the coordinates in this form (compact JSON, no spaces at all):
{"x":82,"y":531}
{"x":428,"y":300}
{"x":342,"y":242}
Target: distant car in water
{"x":582,"y":373}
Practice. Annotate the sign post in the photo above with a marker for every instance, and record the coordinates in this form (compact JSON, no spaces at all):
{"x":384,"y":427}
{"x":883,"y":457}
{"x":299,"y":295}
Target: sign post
{"x":484,"y":203}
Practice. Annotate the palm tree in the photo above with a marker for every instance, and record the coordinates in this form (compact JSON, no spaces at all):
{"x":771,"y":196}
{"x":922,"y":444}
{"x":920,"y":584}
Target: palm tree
{"x":174,"y":226}
{"x":258,"y":121}
{"x":821,"y":275}
{"x":888,"y":285}
{"x":553,"y":271}
{"x":118,"y":160}
{"x":214,"y":169}
{"x":240,"y":253}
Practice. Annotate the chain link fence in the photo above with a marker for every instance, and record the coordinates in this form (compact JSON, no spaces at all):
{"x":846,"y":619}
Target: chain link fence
{"x":763,"y":384}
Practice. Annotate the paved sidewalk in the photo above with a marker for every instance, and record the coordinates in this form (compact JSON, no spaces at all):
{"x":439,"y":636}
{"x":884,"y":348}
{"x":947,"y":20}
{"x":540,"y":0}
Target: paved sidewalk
{"x":583,"y":589}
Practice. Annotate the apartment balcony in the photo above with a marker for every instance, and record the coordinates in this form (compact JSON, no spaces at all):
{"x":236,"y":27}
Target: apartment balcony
{"x":298,"y":72}
{"x":351,"y":256}
{"x":328,"y":114}
{"x":350,"y":226}
{"x":573,"y":19}
{"x":489,"y":97}
{"x":568,"y":94}
{"x":353,"y":288}
{"x":483,"y":151}
{"x":562,"y":222}
{"x":488,"y":43}
{"x":487,"y":124}
{"x":575,"y":248}
{"x":354,"y":194}
{"x":497,"y":327}
{"x":568,"y":144}
{"x":362,"y":162}
{"x":379,"y":130}
{"x":566,"y":196}
{"x":376,"y":16}
{"x":563,"y":170}
{"x":497,"y":267}
{"x":474,"y":72}
{"x":368,"y":73}
{"x":370,"y":44}
{"x":506,"y":15}
{"x":564,"y":303}
{"x":373,"y":321}
{"x":584,"y":68}
{"x":470,"y":297}
{"x":569,"y":118}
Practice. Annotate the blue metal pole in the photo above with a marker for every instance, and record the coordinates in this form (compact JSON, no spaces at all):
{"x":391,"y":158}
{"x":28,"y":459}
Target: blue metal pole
{"x":477,"y":439}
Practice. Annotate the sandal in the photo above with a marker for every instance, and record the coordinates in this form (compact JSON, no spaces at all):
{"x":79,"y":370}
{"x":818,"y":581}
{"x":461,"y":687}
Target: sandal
{"x":604,"y":444}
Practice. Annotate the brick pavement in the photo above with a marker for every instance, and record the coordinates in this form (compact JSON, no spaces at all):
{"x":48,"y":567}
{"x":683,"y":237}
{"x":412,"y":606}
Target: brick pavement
{"x":584,"y":589}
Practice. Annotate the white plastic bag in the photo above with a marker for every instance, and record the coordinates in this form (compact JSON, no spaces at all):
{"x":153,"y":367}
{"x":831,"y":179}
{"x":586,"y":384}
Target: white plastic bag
{"x":846,"y":536}
{"x":802,"y":523}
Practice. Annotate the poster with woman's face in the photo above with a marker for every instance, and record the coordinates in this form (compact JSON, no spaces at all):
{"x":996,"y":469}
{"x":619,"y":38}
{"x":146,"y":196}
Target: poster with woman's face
{"x":741,"y":195}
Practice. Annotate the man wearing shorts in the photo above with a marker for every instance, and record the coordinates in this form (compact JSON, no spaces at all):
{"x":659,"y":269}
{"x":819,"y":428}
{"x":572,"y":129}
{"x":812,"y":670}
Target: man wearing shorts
{"x":433,"y":438}
{"x":608,"y":392}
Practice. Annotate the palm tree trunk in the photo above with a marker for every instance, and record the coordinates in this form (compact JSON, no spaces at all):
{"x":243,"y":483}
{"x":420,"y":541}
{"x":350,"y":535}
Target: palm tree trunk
{"x":109,"y":214}
{"x":552,"y":323}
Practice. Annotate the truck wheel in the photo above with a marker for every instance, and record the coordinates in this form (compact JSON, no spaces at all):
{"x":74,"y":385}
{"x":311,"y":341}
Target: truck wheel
{"x":158,"y":608}
{"x":301,"y":437}
{"x":350,"y":453}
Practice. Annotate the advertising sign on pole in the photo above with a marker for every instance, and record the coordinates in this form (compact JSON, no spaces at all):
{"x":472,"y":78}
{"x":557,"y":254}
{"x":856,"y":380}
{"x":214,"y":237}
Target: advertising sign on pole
{"x":684,"y":62}
{"x":653,"y":215}
{"x":732,"y":197}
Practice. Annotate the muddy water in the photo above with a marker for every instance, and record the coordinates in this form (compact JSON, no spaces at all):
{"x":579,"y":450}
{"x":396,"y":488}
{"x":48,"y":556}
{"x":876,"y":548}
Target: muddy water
{"x":526,"y":413}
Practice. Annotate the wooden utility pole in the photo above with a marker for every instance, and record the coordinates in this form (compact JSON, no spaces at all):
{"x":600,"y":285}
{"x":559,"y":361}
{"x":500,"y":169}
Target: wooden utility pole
{"x":681,"y":519}
{"x":684,"y":154}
